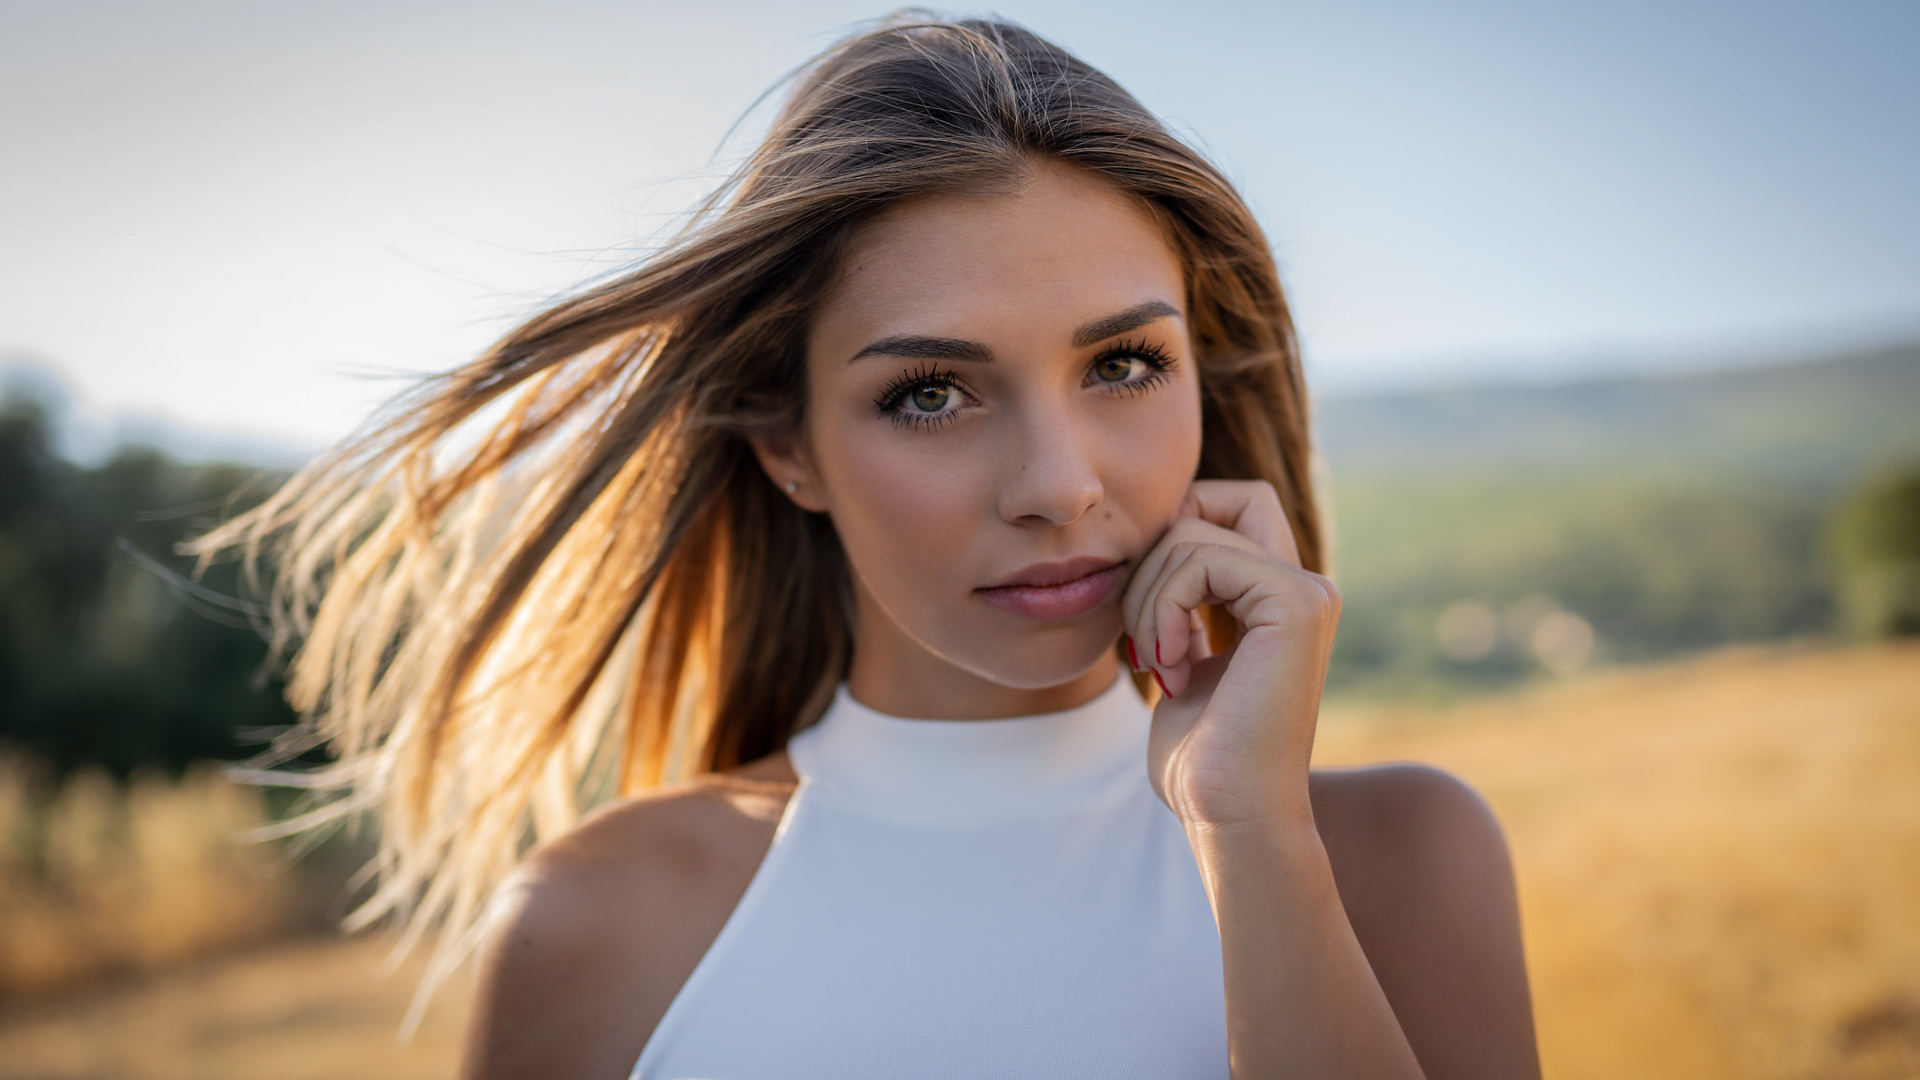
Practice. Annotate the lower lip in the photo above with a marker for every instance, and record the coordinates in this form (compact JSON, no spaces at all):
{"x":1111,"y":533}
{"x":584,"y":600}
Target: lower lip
{"x":1063,"y":601}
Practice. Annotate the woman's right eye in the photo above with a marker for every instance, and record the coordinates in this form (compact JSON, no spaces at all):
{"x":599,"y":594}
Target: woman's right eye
{"x":921,"y":397}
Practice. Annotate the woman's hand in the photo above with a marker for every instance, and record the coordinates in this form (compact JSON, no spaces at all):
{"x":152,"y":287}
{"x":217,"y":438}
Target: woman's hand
{"x":1233,"y":736}
{"x":1229,"y":752}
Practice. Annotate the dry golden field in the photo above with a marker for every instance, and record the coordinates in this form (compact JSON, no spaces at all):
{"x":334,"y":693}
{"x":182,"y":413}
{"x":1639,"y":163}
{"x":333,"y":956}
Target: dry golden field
{"x":98,"y":878}
{"x":1719,"y":865}
{"x":1719,"y":861}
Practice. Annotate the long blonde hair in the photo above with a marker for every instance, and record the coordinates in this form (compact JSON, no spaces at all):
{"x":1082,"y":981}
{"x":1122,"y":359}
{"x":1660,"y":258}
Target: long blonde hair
{"x":558,"y":572}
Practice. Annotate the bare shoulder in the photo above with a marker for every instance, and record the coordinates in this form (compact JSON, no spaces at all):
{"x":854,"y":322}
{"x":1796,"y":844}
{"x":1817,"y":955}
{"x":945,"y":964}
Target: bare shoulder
{"x":596,"y":932}
{"x":1394,"y":813}
{"x":1425,"y":877}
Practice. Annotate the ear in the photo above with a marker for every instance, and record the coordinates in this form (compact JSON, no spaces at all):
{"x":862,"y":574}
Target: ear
{"x":784,"y":458}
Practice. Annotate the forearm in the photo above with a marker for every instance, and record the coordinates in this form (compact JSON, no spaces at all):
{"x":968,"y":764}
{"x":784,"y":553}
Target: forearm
{"x":1302,"y":1000}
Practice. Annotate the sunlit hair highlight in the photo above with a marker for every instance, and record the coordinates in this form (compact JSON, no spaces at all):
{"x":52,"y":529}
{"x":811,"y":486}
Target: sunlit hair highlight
{"x":558,"y":573}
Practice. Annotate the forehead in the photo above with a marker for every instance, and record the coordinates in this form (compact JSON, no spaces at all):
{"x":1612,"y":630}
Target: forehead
{"x":1062,"y":248}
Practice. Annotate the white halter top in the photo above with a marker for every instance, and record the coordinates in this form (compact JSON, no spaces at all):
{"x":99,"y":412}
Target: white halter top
{"x":1001,"y":899}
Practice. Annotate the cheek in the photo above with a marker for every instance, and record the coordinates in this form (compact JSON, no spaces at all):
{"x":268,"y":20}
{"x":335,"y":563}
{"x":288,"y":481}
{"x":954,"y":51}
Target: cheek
{"x":905,"y":507}
{"x":1158,"y":453}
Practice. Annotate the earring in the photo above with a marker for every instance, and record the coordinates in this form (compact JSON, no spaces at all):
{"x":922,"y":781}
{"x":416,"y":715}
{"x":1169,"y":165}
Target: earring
{"x":793,"y":486}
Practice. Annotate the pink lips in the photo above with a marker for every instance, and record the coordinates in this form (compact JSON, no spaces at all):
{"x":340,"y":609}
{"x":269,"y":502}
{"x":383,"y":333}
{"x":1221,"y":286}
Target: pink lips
{"x":1056,"y":590}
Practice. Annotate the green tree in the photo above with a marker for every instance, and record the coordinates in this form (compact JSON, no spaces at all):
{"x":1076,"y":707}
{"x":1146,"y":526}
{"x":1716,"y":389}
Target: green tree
{"x":109,"y":655}
{"x":1875,"y":541}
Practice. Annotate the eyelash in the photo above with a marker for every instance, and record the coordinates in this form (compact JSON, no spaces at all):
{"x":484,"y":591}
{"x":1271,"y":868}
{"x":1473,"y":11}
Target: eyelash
{"x":1158,"y":362}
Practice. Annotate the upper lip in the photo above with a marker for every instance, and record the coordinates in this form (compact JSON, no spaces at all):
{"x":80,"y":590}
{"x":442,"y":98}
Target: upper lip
{"x":1055,"y":573}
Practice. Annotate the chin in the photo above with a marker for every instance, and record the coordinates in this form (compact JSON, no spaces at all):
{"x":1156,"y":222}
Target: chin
{"x":1041,"y":660}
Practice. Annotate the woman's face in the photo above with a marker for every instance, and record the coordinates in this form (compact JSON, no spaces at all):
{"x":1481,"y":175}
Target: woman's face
{"x":1004,"y":416}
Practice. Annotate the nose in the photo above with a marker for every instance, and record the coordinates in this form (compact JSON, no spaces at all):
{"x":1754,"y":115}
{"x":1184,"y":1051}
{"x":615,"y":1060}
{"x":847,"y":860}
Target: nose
{"x":1051,"y":476}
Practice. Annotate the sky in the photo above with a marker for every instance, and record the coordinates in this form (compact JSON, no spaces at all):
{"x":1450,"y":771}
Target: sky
{"x":260,"y":219}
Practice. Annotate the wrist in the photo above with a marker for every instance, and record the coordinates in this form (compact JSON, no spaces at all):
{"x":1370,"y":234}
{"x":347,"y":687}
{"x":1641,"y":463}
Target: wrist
{"x":1264,"y":813}
{"x":1284,"y":824}
{"x":1281,"y":854}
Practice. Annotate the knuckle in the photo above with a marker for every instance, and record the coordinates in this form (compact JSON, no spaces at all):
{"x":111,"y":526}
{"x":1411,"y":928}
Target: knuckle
{"x":1316,"y":596}
{"x":1324,"y":603}
{"x":1332,"y":590}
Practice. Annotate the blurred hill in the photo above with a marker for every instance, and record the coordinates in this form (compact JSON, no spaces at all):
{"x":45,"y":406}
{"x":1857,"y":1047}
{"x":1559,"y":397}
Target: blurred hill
{"x":88,"y":436}
{"x":1811,"y":425}
{"x":1488,"y":535}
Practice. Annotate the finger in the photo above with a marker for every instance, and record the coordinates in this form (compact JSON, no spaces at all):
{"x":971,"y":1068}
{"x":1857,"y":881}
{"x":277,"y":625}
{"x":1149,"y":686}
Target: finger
{"x":1149,"y":640}
{"x":1257,"y":590}
{"x":1175,"y":613}
{"x":1250,"y":508}
{"x":1153,"y":564}
{"x":1202,"y":646}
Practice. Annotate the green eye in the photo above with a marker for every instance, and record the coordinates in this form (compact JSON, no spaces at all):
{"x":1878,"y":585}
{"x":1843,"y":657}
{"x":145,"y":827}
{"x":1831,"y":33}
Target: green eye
{"x":930,"y":397}
{"x":1114,"y":368}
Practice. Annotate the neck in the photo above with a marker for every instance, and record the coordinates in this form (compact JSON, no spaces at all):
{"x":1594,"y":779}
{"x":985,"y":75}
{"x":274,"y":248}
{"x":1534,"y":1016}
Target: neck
{"x":918,"y":684}
{"x":929,"y":769}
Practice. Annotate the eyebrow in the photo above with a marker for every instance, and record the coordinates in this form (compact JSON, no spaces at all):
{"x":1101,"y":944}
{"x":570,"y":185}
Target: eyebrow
{"x":916,"y":347}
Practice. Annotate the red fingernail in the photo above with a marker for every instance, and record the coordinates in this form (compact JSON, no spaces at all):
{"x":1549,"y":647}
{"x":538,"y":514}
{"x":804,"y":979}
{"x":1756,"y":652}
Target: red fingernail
{"x":1156,"y":653}
{"x":1132,"y":657}
{"x":1163,"y":684}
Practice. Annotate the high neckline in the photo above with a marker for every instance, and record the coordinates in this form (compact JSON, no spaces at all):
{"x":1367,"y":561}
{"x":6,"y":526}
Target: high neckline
{"x":897,"y":767}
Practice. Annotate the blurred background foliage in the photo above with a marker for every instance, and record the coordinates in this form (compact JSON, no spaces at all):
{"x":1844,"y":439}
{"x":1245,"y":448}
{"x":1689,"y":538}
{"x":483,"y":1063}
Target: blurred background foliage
{"x":1497,"y":534}
{"x":1876,"y":548}
{"x":109,"y":654}
{"x":124,"y":682}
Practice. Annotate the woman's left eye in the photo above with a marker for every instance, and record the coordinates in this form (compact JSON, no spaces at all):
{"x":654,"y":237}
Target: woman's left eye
{"x":1117,"y":369}
{"x":1130,"y":367}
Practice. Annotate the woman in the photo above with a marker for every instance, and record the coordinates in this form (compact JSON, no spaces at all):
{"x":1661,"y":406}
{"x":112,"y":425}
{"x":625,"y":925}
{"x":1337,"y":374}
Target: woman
{"x":814,"y":539}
